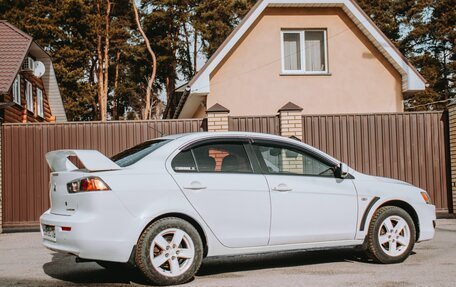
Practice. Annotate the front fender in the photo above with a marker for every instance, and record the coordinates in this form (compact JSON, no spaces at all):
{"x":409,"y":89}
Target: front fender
{"x":421,"y":217}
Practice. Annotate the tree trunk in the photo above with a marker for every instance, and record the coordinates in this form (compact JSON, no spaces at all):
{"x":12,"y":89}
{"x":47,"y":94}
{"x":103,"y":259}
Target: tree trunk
{"x":115,"y":115}
{"x":147,"y":107}
{"x":106,"y":61}
{"x":103,"y":62}
{"x":195,"y":53}
{"x":187,"y":51}
{"x":100,"y":90}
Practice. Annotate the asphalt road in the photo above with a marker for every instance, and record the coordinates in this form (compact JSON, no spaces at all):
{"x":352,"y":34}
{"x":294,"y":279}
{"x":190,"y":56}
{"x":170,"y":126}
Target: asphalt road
{"x":24,"y":262}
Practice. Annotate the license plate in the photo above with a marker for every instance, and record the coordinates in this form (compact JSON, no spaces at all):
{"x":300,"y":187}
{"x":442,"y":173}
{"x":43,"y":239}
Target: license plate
{"x":49,"y":232}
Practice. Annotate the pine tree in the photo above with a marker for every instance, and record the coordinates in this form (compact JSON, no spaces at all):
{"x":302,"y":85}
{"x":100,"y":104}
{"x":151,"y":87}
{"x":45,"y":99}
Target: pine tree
{"x":216,"y":19}
{"x":424,"y":31}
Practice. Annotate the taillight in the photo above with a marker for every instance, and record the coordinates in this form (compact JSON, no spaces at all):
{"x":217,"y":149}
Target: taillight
{"x":87,"y":184}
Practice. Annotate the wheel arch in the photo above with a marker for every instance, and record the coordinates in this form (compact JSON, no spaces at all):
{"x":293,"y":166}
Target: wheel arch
{"x":408,"y":208}
{"x":190,"y":220}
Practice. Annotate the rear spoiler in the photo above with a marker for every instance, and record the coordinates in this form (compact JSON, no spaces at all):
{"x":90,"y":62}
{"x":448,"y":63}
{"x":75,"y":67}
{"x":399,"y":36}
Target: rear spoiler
{"x":92,"y":160}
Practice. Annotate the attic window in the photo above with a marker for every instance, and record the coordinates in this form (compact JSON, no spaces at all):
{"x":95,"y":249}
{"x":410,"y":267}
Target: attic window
{"x":17,"y":90}
{"x":304,"y":51}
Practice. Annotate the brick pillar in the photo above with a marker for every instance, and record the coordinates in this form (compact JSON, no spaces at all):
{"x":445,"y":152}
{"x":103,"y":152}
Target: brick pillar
{"x":217,"y":118}
{"x":452,"y":148}
{"x":1,"y":181}
{"x":291,"y":121}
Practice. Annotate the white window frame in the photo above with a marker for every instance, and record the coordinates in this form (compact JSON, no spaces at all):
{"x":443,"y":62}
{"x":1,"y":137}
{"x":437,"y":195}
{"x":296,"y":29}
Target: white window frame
{"x":16,"y":90}
{"x":302,"y":37}
{"x":29,"y":95}
{"x":39,"y":102}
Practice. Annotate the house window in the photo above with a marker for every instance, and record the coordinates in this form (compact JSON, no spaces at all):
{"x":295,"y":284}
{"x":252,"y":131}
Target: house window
{"x":17,"y":90}
{"x":304,"y":52}
{"x":39,"y":102}
{"x":29,"y":95}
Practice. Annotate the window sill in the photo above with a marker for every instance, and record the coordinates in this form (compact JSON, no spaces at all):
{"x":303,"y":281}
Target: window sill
{"x":306,"y":74}
{"x":17,"y":106}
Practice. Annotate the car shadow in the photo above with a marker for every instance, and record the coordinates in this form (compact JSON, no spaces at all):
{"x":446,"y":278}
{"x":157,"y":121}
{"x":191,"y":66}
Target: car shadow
{"x":64,"y":267}
{"x":212,"y":266}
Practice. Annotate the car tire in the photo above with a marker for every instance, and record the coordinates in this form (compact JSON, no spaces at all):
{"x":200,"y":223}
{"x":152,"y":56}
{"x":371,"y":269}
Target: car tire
{"x":169,"y":252}
{"x":391,"y":235}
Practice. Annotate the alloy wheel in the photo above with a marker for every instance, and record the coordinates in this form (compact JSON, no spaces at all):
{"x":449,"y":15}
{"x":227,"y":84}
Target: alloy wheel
{"x":394,"y":235}
{"x":172,"y":252}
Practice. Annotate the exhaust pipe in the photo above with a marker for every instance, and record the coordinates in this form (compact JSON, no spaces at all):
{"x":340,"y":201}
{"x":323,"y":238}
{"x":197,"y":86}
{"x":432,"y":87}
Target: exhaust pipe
{"x":82,"y":260}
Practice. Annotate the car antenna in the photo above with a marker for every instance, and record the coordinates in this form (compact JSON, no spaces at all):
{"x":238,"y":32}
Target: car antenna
{"x":158,"y":131}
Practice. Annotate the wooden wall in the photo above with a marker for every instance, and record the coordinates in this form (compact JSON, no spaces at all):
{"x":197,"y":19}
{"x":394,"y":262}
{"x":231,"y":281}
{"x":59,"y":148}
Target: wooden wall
{"x":15,"y":114}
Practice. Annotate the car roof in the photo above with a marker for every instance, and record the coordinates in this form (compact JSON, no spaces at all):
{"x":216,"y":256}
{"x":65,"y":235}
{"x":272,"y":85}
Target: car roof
{"x":197,"y":135}
{"x":188,"y":137}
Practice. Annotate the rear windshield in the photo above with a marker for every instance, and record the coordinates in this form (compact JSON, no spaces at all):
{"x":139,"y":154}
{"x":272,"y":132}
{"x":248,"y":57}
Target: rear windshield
{"x":134,"y":154}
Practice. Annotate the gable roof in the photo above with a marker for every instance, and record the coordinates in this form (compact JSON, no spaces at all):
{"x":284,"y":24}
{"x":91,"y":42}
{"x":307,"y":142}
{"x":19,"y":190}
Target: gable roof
{"x":411,"y":78}
{"x":14,"y":47}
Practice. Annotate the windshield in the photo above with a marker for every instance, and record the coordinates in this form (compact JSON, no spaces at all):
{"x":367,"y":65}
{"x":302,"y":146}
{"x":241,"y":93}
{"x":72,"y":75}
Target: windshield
{"x":134,"y":154}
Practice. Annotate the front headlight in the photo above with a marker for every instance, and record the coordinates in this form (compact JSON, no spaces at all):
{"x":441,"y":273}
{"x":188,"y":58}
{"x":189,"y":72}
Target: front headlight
{"x":426,"y":197}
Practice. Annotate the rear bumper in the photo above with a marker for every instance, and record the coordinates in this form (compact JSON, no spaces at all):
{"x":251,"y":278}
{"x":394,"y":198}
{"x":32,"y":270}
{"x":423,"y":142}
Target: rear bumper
{"x":90,"y":237}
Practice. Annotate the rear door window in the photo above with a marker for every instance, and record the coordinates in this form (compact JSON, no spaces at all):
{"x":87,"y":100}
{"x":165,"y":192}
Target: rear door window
{"x":217,"y":157}
{"x":222,"y":157}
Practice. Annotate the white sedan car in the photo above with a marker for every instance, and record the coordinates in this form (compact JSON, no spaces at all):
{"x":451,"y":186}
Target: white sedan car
{"x":167,"y":203}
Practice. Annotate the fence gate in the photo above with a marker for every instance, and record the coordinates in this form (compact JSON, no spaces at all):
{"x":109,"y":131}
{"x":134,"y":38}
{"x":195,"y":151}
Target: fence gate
{"x":411,"y":147}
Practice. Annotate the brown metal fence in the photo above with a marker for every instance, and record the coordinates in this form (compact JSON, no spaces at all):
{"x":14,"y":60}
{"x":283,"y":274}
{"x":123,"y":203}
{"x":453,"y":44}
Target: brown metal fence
{"x":259,"y":124}
{"x":406,"y":146}
{"x":24,"y":170}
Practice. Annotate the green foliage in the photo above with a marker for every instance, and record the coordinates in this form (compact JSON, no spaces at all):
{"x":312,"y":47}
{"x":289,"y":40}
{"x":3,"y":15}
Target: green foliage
{"x":424,"y":31}
{"x":216,"y":19}
{"x":182,"y":31}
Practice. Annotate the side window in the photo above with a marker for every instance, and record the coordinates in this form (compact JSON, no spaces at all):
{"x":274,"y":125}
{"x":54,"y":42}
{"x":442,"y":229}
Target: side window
{"x":222,"y":157}
{"x":17,"y":90}
{"x":282,"y":160}
{"x":29,"y":95}
{"x":184,"y":162}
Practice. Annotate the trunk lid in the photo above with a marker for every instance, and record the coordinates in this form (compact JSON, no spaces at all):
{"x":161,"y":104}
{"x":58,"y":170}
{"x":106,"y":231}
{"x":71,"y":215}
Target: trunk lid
{"x":64,"y":171}
{"x":63,"y":202}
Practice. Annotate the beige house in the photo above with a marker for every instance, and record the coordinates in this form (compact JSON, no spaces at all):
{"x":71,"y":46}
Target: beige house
{"x":325,"y":56}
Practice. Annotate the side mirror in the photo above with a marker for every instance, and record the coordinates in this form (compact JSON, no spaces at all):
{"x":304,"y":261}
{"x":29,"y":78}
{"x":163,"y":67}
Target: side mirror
{"x":343,"y":170}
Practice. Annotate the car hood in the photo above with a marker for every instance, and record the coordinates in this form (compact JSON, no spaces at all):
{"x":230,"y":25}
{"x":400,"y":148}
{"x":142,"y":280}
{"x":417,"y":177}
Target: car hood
{"x":390,"y":180}
{"x":372,"y":178}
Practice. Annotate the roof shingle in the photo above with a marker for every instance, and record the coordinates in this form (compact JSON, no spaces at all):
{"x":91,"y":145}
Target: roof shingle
{"x":14,"y":45}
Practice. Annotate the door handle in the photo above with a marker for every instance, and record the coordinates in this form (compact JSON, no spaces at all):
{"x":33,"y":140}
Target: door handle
{"x":282,"y":188}
{"x":195,"y":185}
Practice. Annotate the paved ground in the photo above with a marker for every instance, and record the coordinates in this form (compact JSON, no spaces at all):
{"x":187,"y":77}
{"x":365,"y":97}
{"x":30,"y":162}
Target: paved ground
{"x":23,"y":262}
